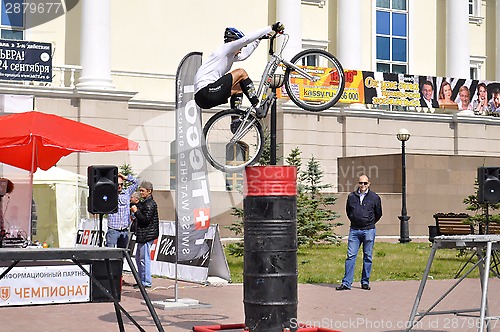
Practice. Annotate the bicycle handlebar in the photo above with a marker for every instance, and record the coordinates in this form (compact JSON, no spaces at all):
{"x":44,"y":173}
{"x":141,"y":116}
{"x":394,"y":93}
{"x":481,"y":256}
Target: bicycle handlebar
{"x":271,"y":43}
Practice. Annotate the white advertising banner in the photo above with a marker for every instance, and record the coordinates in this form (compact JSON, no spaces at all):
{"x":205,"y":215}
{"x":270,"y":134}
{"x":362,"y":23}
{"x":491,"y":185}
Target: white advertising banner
{"x":44,"y":285}
{"x":212,"y":260}
{"x":87,"y":233}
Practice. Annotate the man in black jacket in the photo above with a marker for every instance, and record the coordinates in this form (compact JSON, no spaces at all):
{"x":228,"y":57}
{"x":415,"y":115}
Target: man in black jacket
{"x":147,"y":231}
{"x":364,"y":210}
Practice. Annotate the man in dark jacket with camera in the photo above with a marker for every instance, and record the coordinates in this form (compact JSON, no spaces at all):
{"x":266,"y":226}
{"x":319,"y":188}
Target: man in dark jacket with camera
{"x":364,"y":210}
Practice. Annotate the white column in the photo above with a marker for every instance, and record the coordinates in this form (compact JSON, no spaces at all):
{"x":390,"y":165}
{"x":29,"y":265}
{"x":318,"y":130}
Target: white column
{"x":497,"y":24}
{"x":95,"y":45}
{"x":457,"y":39}
{"x":349,"y":34}
{"x":289,"y":13}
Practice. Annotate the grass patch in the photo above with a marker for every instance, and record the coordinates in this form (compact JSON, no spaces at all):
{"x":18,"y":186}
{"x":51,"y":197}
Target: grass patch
{"x":391,"y":261}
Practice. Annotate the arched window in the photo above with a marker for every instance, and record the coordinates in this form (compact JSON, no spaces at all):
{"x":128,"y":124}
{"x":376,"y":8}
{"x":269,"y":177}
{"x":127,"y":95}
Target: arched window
{"x":235,"y":155}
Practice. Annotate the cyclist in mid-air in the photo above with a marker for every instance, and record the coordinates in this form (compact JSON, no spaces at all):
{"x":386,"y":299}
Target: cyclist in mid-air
{"x":214,"y":84}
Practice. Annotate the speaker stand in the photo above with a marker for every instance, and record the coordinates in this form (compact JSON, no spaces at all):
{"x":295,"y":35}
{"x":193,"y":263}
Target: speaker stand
{"x":486,"y":219}
{"x":2,"y":224}
{"x":101,"y":216}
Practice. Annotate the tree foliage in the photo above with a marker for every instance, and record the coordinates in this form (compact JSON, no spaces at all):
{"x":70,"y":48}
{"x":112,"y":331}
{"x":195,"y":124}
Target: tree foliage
{"x":315,"y":220}
{"x":480,"y":209}
{"x":126,"y":169}
{"x":265,"y":158}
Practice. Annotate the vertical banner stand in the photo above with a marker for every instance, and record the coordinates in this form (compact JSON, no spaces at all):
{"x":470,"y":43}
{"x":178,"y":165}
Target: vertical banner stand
{"x":188,"y":119}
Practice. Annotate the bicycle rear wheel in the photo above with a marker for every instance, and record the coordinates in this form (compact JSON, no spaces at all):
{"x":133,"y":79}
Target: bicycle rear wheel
{"x":232,"y":141}
{"x":321,"y":94}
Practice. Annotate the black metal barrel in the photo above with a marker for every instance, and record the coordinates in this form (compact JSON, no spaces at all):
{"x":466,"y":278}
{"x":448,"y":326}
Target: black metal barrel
{"x":270,"y":262}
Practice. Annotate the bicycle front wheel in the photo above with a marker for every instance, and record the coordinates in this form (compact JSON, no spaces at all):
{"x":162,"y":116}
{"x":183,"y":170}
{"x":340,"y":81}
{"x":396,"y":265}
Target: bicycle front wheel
{"x":233,"y":140}
{"x":327,"y":87}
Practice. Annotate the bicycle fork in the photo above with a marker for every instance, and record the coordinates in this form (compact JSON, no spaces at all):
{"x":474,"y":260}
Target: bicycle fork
{"x":300,"y":71}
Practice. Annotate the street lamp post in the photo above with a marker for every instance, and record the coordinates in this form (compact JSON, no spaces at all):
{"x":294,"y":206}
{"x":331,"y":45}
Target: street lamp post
{"x":404,"y":231}
{"x":276,"y":83}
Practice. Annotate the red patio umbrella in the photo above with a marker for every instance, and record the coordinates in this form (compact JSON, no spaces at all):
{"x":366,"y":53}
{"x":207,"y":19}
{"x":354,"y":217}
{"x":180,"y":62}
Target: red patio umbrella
{"x":33,"y":140}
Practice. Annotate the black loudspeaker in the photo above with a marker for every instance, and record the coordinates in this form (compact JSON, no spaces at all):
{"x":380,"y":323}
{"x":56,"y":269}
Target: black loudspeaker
{"x":489,"y":185}
{"x":103,"y":189}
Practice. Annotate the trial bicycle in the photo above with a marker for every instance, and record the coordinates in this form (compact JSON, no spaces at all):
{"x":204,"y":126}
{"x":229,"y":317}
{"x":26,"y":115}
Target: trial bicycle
{"x":314,"y":81}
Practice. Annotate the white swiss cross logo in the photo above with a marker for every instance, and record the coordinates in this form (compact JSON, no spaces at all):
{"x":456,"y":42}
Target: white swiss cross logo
{"x":86,"y":236}
{"x":201,"y":218}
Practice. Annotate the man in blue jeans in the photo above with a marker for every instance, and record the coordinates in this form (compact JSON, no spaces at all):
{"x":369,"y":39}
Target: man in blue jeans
{"x":364,"y":210}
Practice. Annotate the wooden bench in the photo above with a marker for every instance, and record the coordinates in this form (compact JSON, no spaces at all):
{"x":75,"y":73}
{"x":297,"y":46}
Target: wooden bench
{"x":450,"y":224}
{"x":493,"y":228}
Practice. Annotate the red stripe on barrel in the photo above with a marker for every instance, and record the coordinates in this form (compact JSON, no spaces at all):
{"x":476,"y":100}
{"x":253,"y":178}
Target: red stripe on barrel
{"x":270,"y":181}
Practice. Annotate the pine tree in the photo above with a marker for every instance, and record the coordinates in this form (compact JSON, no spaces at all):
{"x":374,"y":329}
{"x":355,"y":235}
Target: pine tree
{"x":265,"y":158}
{"x":126,"y":169}
{"x":315,"y":220}
{"x":479,"y":209}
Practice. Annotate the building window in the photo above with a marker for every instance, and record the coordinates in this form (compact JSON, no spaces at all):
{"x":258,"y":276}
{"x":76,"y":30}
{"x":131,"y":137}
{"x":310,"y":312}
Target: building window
{"x":235,"y":155}
{"x":473,"y":7}
{"x":312,"y":60}
{"x":475,"y":12}
{"x":473,"y":73}
{"x":12,"y":19}
{"x":476,"y":63}
{"x":391,"y":20}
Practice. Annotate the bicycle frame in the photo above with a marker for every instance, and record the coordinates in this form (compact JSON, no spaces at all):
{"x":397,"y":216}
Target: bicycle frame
{"x":265,"y":83}
{"x":272,"y":65}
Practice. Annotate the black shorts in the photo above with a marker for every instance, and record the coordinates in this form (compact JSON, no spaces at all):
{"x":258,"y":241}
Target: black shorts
{"x":216,"y":93}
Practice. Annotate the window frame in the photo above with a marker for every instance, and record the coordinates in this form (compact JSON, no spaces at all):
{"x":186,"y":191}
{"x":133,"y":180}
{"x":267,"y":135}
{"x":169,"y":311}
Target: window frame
{"x":4,"y":27}
{"x":475,"y":17}
{"x":317,"y":44}
{"x":391,"y":62}
{"x":476,"y":65}
{"x":234,"y":180}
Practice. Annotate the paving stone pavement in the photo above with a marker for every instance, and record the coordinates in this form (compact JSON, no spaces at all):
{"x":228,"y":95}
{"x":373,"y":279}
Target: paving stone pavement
{"x":386,"y":307}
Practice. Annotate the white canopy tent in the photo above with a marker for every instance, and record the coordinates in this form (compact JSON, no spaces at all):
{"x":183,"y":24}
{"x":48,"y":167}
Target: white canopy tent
{"x":61,"y":203}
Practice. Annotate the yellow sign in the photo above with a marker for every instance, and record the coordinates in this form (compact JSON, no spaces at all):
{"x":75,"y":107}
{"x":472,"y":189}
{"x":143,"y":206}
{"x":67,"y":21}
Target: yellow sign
{"x":317,"y":93}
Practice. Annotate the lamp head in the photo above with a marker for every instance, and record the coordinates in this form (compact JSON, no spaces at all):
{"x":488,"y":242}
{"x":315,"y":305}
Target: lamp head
{"x":403,"y":135}
{"x":277,"y":81}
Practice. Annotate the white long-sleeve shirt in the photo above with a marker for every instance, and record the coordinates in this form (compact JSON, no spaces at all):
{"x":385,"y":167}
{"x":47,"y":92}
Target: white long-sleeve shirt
{"x":222,"y":59}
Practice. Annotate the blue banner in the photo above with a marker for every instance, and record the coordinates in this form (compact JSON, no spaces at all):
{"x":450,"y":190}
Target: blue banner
{"x":25,"y":61}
